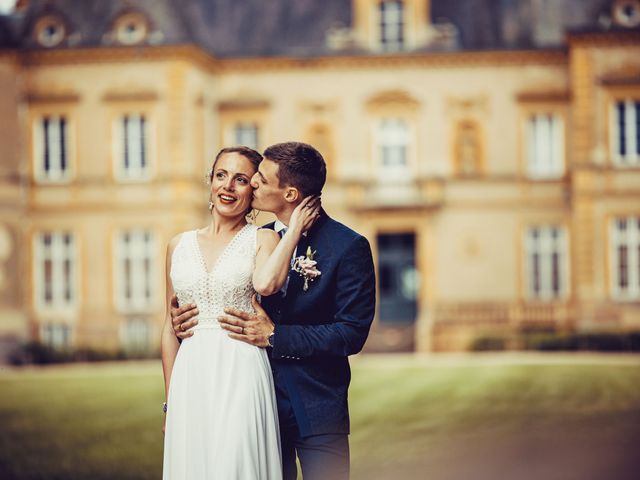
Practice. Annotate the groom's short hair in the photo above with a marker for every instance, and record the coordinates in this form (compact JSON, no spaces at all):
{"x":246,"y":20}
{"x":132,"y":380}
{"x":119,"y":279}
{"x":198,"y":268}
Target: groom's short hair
{"x":300,"y":166}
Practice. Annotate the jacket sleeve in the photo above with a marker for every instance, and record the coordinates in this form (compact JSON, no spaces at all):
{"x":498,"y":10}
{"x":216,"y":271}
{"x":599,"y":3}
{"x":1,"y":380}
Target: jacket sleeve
{"x":355,"y":307}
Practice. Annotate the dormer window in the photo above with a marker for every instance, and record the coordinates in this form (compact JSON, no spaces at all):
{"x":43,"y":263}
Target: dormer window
{"x":391,"y":23}
{"x":627,"y":13}
{"x":49,"y":31}
{"x":131,"y":29}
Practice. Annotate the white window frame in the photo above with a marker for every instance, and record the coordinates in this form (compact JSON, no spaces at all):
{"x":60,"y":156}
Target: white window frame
{"x":242,"y":131}
{"x":135,"y":335}
{"x":631,"y":158}
{"x":629,"y":238}
{"x":53,"y":144}
{"x":391,"y":25}
{"x":393,"y":138}
{"x":135,"y":289}
{"x":62,"y":287}
{"x":545,"y":246}
{"x":545,"y":150}
{"x":56,"y":335}
{"x":132,"y":153}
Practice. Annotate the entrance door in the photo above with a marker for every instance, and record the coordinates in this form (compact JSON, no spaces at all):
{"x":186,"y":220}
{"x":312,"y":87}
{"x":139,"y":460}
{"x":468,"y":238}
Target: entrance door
{"x":398,"y":282}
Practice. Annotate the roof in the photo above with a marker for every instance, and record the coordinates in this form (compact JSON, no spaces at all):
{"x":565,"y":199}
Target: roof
{"x":232,"y":28}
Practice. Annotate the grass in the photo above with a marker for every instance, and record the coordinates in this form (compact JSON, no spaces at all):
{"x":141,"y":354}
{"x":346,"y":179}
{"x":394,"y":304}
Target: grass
{"x":577,"y":417}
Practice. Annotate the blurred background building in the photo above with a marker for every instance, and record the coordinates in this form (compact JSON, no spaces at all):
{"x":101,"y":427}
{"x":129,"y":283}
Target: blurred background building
{"x":490,"y":151}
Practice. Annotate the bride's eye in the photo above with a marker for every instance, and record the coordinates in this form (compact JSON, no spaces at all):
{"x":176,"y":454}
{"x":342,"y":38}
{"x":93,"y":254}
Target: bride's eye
{"x":243,"y":180}
{"x":220,"y":175}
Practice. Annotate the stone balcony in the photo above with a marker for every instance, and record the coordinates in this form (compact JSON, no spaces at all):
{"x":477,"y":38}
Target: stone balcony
{"x":411,"y":194}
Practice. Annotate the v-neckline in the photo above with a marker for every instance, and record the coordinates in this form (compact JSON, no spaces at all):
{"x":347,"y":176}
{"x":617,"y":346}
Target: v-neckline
{"x":203,"y":262}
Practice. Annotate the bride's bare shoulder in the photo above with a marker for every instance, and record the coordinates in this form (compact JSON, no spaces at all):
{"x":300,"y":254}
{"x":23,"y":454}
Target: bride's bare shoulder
{"x":173,"y":243}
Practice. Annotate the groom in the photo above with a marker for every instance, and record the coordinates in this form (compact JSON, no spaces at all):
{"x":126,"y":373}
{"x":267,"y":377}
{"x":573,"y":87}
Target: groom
{"x":309,"y":331}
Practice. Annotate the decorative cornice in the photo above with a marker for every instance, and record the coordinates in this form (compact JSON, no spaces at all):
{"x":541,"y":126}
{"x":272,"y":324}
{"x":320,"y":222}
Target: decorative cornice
{"x":10,"y":55}
{"x":423,"y":59}
{"x":141,"y":96}
{"x":242,"y":104}
{"x":469,"y":105}
{"x":212,"y":64}
{"x":622,"y":80}
{"x":34,"y":58}
{"x":36,"y":97}
{"x":604,"y":39}
{"x":398,"y":98}
{"x":544,"y":97}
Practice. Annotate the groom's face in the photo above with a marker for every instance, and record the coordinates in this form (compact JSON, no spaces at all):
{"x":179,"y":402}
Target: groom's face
{"x":268,"y":196}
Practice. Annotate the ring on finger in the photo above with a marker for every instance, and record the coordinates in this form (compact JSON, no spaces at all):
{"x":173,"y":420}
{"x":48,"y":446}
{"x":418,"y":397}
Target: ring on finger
{"x":182,"y":327}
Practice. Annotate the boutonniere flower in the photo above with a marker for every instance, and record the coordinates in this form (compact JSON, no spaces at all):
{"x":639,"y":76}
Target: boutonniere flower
{"x":305,"y":265}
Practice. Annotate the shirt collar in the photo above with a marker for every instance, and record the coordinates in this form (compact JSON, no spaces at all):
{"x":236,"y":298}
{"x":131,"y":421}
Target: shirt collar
{"x":279,"y":226}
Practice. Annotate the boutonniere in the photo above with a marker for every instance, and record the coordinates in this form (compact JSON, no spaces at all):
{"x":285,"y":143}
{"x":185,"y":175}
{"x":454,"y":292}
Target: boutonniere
{"x":305,"y":265}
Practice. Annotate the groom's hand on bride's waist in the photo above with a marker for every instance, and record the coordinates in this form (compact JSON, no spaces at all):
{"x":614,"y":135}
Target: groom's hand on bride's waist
{"x":182,"y":318}
{"x":251,"y":328}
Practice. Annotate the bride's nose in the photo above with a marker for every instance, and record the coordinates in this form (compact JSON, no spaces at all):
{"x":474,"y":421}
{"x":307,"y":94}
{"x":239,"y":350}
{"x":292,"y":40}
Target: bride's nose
{"x":228,"y":185}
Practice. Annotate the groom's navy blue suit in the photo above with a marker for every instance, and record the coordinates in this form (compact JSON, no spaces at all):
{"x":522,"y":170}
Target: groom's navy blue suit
{"x":315,"y":332}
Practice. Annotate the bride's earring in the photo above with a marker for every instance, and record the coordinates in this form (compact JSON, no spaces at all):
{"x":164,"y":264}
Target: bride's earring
{"x":210,"y":205}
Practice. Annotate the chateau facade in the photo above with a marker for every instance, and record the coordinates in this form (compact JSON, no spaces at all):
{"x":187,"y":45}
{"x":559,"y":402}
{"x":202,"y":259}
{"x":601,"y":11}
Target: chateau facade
{"x":491,"y":155}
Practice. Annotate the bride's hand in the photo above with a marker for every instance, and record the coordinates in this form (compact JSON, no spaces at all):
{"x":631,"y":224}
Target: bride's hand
{"x":305,"y":214}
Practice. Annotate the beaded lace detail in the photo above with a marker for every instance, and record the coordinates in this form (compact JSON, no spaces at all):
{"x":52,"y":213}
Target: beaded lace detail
{"x":228,"y":284}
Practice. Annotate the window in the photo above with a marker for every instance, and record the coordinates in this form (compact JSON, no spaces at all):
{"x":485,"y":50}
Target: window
{"x":398,"y":278}
{"x":246,"y":134}
{"x":391,"y":22}
{"x":135,"y":270}
{"x":393,"y":146}
{"x":49,"y":31}
{"x":625,"y":258}
{"x":546,"y":263}
{"x":56,"y":335}
{"x":626,"y":133}
{"x":545,"y":144}
{"x":134,"y":334}
{"x":55,"y":271}
{"x":132,"y":155}
{"x":131,"y":29}
{"x":627,"y":13}
{"x":51,"y":149}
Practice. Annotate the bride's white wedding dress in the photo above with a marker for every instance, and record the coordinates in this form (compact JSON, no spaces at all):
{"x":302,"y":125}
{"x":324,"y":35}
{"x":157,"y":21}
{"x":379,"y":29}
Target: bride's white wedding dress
{"x":222,"y":420}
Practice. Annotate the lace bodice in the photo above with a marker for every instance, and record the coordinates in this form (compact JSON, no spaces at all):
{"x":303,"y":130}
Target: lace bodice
{"x":228,"y":284}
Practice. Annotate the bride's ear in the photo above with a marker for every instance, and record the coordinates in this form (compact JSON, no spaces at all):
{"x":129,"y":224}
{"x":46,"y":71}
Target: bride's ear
{"x":292,"y":195}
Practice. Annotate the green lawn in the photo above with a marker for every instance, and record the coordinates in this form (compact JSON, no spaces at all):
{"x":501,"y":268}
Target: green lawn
{"x":479,"y":417}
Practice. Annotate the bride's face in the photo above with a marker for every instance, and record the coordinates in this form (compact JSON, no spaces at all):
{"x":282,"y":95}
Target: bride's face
{"x":231,"y":192}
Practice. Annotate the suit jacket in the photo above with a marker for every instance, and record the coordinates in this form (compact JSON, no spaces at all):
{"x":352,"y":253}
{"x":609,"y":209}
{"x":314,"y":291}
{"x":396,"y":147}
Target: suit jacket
{"x":318,"y":329}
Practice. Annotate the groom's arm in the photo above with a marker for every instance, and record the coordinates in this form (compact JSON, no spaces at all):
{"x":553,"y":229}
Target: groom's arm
{"x":355,"y":300}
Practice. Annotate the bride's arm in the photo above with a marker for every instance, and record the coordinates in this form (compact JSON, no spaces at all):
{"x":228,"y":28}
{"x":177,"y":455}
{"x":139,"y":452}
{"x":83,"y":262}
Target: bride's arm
{"x":168,"y":341}
{"x":273,"y":257}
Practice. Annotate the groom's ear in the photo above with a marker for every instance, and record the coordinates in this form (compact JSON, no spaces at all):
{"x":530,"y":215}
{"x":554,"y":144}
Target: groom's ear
{"x":292,"y":195}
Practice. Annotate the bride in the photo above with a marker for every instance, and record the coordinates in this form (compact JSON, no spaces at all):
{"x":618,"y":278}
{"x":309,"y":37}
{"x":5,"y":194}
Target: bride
{"x":221,"y":418}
